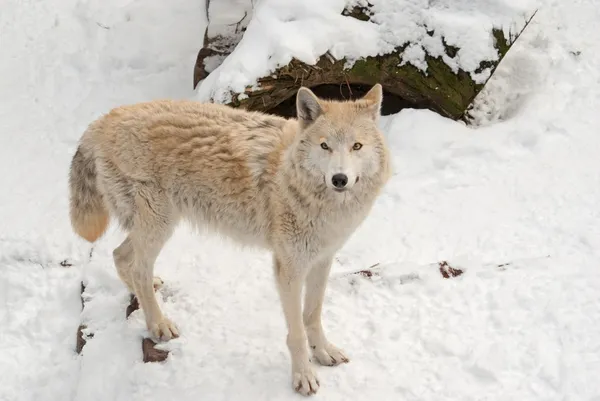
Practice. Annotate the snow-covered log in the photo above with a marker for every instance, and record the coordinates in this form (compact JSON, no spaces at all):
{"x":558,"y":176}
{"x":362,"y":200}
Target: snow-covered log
{"x":435,"y":54}
{"x":227,"y":21}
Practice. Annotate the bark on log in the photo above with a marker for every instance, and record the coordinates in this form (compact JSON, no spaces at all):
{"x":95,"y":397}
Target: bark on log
{"x":447,"y":92}
{"x":222,"y":34}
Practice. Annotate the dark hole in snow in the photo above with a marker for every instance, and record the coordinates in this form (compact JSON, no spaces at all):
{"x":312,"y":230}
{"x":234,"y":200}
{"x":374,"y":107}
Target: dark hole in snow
{"x":391,"y":103}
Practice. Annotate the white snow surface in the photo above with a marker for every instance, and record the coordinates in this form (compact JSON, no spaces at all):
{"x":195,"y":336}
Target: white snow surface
{"x":281,"y":30}
{"x":522,"y":185}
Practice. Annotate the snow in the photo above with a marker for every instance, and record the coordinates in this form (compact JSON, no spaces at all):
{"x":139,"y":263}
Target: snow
{"x":281,"y":30}
{"x":521,"y":185}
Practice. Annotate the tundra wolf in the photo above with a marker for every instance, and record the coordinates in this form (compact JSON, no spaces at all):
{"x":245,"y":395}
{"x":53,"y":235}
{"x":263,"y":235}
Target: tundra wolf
{"x":296,"y":187}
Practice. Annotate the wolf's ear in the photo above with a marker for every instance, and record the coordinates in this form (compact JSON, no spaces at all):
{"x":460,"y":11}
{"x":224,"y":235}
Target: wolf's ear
{"x":308,"y":107}
{"x":374,"y":97}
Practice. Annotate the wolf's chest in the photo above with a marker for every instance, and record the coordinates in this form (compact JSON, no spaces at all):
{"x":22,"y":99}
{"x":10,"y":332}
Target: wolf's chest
{"x":327,"y":235}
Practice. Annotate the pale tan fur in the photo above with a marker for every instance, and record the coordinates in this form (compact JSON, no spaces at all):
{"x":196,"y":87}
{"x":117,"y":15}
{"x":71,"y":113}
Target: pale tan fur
{"x":91,"y":226}
{"x":259,"y":179}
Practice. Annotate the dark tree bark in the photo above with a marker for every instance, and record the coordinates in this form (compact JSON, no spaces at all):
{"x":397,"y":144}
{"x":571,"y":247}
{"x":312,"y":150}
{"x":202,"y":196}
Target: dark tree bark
{"x":221,"y":35}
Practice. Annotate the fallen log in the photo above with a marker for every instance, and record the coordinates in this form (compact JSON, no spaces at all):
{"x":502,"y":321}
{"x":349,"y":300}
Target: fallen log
{"x":433,"y":69}
{"x":227,"y":21}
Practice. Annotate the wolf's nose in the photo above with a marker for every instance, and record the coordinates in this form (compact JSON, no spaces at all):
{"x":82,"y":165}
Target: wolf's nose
{"x":339,"y":180}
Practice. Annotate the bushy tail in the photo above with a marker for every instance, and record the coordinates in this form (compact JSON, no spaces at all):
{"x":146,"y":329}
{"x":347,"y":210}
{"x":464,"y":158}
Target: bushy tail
{"x":89,"y":216}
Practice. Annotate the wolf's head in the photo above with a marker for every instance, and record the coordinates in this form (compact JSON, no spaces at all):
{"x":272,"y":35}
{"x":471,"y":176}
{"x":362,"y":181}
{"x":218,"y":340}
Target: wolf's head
{"x":339,"y":141}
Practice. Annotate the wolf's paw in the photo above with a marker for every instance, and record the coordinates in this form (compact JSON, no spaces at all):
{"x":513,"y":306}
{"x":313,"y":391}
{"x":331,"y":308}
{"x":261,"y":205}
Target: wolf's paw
{"x":163,"y":329}
{"x":304,"y":381}
{"x":157,"y":282}
{"x":330,"y":355}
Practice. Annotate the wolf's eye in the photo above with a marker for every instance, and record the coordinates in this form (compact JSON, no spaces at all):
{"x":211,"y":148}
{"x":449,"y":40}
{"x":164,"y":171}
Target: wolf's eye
{"x":357,"y":146}
{"x":324,"y":146}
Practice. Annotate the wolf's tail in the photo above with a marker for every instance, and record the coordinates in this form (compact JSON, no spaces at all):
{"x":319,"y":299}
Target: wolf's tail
{"x":89,"y":216}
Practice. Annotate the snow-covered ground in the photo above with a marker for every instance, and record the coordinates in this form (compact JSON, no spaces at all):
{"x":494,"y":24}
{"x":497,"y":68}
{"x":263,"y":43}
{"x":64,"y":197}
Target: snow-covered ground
{"x":523,"y":185}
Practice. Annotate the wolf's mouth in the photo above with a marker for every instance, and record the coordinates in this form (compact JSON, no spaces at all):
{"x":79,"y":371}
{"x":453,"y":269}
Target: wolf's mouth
{"x":340,"y":189}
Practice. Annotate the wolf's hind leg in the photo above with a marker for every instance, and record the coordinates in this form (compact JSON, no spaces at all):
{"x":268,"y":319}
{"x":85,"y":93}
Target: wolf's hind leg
{"x":153,"y":225}
{"x":123,"y":256}
{"x":316,"y":282}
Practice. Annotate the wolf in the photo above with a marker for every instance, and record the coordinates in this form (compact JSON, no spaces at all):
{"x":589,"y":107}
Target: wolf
{"x":297,"y":187}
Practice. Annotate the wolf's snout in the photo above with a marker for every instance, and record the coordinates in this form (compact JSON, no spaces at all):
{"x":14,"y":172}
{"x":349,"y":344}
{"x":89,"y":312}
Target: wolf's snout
{"x":339,"y":180}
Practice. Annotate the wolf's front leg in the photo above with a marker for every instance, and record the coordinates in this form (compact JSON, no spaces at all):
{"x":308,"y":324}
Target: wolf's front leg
{"x":316,"y":282}
{"x":290,"y":280}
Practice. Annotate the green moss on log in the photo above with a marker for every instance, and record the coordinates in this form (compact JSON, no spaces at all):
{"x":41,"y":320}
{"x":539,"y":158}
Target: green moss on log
{"x":440,"y":89}
{"x":501,"y":43}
